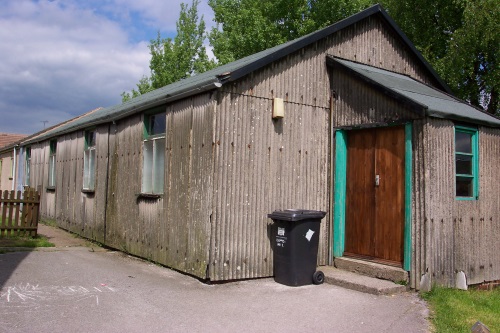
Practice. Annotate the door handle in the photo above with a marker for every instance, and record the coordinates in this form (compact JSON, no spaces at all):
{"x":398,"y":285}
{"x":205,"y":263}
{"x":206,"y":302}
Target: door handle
{"x":377,"y":180}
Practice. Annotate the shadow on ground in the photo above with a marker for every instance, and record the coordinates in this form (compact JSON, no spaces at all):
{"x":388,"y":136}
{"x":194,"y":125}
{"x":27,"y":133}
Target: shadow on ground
{"x":9,"y":262}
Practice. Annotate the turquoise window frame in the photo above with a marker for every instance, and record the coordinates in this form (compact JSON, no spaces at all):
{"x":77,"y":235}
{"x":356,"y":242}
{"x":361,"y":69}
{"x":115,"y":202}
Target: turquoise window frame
{"x":474,"y":133}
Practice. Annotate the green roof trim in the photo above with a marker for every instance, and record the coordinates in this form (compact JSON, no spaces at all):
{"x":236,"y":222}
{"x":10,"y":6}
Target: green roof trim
{"x":434,"y":102}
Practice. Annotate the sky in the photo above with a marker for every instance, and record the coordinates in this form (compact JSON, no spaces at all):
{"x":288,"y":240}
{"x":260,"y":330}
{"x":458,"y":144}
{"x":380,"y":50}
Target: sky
{"x":62,"y":58}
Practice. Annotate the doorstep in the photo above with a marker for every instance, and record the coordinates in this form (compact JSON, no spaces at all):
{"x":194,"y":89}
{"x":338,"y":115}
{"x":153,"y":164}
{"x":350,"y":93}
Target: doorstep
{"x":372,"y":269}
{"x":362,"y":283}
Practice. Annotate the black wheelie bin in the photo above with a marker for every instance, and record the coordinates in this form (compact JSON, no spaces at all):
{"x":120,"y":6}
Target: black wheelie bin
{"x":295,"y":246}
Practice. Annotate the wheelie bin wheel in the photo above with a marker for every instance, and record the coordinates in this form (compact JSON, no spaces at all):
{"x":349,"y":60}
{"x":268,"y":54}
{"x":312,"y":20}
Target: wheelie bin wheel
{"x":318,"y":277}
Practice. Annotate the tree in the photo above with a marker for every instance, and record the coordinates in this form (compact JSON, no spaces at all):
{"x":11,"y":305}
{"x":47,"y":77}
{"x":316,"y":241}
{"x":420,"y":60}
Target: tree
{"x":245,"y":27}
{"x":459,"y":38}
{"x":472,"y":63}
{"x":461,"y":41}
{"x":173,"y":60}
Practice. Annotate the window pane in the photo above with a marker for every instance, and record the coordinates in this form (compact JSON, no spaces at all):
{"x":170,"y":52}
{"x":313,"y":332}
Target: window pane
{"x":464,"y":187}
{"x":463,"y":142}
{"x":157,"y":123}
{"x":464,"y":164}
{"x":28,"y":173}
{"x":52,"y":170}
{"x":90,"y":138}
{"x":27,"y":167}
{"x":86,"y":169}
{"x":91,"y":170}
{"x":147,"y":167}
{"x":159,"y":165}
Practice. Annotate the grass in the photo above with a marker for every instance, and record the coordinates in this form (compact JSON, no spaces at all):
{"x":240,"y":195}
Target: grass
{"x":456,"y":310}
{"x":18,"y":241}
{"x":49,"y":222}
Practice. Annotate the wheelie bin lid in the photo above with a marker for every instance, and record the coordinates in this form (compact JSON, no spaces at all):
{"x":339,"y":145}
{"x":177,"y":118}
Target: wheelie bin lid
{"x":296,"y":214}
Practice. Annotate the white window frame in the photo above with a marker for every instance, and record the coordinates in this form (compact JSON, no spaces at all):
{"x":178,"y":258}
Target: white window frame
{"x":27,"y":167}
{"x":11,"y":168}
{"x":153,"y":150}
{"x":89,"y":161}
{"x":52,"y":164}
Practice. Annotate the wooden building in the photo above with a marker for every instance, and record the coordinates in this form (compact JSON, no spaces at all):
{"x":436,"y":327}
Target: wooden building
{"x":7,"y":159}
{"x":350,"y":120}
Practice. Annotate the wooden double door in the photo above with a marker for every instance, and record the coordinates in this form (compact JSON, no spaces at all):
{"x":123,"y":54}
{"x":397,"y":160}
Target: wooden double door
{"x":375,"y":194}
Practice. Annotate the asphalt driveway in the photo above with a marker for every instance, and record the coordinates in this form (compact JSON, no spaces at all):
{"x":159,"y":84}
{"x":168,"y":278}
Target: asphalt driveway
{"x":79,"y":289}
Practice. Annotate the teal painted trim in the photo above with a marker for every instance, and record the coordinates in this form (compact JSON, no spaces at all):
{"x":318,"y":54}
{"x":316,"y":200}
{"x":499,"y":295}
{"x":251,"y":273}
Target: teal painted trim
{"x":408,"y":193}
{"x":474,"y":133}
{"x":475,"y":164}
{"x":340,"y":193}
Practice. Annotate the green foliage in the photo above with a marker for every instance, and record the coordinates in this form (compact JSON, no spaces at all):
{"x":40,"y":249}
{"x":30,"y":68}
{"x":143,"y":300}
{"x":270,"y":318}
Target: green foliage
{"x":31,"y":242}
{"x":328,"y":12}
{"x":173,"y":60}
{"x":245,"y":27}
{"x":458,"y":310}
{"x":143,"y":87}
{"x":472,"y":63}
{"x":49,"y":222}
{"x":459,"y":38}
{"x":427,"y":23}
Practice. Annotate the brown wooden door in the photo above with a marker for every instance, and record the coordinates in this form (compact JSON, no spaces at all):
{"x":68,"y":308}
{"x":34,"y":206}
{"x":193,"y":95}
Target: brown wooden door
{"x":375,"y":210}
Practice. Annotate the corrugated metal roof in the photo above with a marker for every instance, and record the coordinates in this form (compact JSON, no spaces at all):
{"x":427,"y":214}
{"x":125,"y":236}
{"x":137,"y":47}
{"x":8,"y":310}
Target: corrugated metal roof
{"x":215,"y":78}
{"x":436,"y":103}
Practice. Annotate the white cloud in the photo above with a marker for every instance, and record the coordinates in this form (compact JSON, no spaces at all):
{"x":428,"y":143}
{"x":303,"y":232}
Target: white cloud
{"x":62,"y":58}
{"x":163,"y":14}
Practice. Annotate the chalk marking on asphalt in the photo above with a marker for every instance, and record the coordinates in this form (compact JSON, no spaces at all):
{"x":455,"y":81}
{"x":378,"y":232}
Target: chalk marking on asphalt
{"x":22,"y":296}
{"x":29,"y":294}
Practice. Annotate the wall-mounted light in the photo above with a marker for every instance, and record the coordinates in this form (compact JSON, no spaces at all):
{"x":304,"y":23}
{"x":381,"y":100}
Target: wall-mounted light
{"x":278,"y":108}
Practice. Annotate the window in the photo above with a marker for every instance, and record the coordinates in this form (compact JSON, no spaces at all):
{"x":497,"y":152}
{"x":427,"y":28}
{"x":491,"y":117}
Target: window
{"x":154,"y":153}
{"x":27,"y":167}
{"x":11,"y":168}
{"x":89,"y":161}
{"x":466,"y":163}
{"x":52,"y":164}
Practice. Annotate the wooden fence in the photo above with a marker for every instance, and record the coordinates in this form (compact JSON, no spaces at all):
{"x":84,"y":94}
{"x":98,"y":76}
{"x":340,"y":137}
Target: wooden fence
{"x":19,"y":213}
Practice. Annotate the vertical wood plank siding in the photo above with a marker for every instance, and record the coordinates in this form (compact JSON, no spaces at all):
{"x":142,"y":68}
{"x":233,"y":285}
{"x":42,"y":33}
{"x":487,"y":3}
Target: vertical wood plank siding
{"x":39,"y":178}
{"x":189,"y":184}
{"x":82,"y":213}
{"x":370,"y":107}
{"x":454,"y":235}
{"x":251,"y":182}
{"x":419,"y":199}
{"x":173,"y":229}
{"x":263,"y":165}
{"x":125,"y":230}
{"x":371,"y":42}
